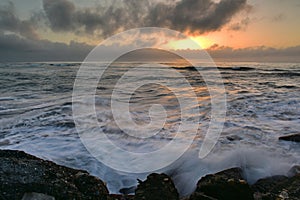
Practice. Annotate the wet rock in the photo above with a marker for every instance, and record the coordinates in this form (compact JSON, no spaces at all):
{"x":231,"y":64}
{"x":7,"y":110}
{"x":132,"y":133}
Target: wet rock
{"x":4,"y":142}
{"x":120,"y":197}
{"x":293,"y":138}
{"x":265,"y":186}
{"x":128,"y":190}
{"x":90,"y":186}
{"x":37,"y":196}
{"x":201,"y":196}
{"x":156,"y":187}
{"x":22,"y":173}
{"x":278,"y":187}
{"x":233,"y":138}
{"x":26,"y":177}
{"x":294,"y":170}
{"x":228,"y":184}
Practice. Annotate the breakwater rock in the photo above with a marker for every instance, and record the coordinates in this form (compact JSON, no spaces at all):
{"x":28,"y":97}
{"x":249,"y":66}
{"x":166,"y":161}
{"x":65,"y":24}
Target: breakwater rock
{"x":26,"y":177}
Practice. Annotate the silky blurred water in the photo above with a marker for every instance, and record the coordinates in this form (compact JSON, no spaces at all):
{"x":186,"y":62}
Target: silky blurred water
{"x":263,"y":103}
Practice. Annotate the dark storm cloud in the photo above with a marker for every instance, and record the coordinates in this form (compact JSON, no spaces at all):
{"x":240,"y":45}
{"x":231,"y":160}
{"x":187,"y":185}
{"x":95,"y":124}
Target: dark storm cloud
{"x":102,"y":19}
{"x":59,"y":13}
{"x":198,"y":16}
{"x":9,"y":21}
{"x":17,"y":49}
{"x":194,"y":16}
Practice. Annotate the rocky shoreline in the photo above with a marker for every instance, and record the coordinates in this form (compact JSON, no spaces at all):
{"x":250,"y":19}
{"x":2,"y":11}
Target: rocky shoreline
{"x":23,"y":176}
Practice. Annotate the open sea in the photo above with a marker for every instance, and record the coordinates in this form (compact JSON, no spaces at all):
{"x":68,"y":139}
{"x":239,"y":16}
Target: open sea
{"x":263,"y":103}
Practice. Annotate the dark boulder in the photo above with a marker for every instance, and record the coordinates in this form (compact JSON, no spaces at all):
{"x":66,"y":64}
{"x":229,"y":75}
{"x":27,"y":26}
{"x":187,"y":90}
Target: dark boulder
{"x":228,"y":184}
{"x":294,"y":171}
{"x":120,"y":197}
{"x":156,"y":187}
{"x":23,"y":176}
{"x":127,"y":190}
{"x":37,"y":196}
{"x":201,"y":196}
{"x":22,"y":173}
{"x":278,"y":187}
{"x":293,"y":138}
{"x":233,"y":138}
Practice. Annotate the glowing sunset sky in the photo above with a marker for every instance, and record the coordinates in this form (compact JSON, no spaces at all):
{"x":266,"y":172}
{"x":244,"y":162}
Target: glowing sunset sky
{"x":74,"y":27}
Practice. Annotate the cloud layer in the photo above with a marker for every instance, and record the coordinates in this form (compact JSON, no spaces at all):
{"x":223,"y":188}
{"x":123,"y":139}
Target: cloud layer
{"x":10,"y":22}
{"x":17,"y":49}
{"x":19,"y":40}
{"x":250,"y":54}
{"x":193,"y":16}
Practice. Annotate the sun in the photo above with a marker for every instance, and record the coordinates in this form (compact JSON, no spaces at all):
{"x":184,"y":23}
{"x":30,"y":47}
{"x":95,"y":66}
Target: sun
{"x":192,"y":43}
{"x":203,"y":42}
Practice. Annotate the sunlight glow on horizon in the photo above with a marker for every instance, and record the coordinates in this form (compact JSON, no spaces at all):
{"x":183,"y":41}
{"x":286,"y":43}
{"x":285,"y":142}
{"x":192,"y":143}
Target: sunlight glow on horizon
{"x":192,"y":43}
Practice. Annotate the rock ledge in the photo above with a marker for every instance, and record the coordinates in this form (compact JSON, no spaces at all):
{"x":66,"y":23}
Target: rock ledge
{"x":23,"y":176}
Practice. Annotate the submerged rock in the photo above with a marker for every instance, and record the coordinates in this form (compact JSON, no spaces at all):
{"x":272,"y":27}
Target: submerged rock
{"x":22,"y":173}
{"x":293,"y":138}
{"x":233,"y":138}
{"x":156,"y":187}
{"x":228,"y":184}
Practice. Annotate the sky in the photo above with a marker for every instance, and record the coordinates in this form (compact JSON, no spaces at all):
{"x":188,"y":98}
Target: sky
{"x":230,"y":30}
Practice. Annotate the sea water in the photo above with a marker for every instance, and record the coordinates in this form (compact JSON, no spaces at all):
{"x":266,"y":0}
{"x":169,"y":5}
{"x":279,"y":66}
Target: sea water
{"x":263,"y":103}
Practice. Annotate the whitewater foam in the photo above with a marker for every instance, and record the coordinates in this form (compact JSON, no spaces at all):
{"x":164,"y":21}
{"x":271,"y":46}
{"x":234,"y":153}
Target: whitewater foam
{"x":255,"y":164}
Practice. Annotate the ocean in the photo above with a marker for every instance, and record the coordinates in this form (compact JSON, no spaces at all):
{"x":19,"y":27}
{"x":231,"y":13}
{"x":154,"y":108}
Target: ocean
{"x":263,"y":103}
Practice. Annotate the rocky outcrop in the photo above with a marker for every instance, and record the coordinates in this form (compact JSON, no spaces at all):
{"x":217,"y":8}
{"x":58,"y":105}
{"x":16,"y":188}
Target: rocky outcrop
{"x":228,"y":184}
{"x":293,"y":138}
{"x":26,"y":177}
{"x":156,"y":187}
{"x":21,"y":173}
{"x":294,"y":171}
{"x":120,"y":197}
{"x":278,"y":187}
{"x":37,"y":196}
